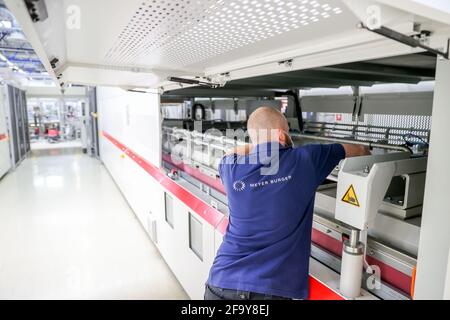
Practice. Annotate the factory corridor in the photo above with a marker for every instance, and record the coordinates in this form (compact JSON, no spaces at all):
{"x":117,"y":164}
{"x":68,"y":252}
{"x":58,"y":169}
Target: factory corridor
{"x":66,"y":232}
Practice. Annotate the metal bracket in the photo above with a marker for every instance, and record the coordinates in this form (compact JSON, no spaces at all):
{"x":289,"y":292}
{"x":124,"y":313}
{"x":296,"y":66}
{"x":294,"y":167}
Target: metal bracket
{"x":409,"y":41}
{"x":357,"y":106}
{"x":213,"y":105}
{"x":193,"y":81}
{"x":235,"y":106}
{"x":286,"y":63}
{"x":361,"y":98}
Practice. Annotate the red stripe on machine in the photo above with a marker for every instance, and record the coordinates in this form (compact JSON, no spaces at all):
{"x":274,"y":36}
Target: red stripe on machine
{"x":327,"y":242}
{"x":211,"y":182}
{"x":212,"y":216}
{"x":392,"y":276}
{"x":318,"y":290}
{"x":3,"y":136}
{"x":388,"y":274}
{"x":222,"y":227}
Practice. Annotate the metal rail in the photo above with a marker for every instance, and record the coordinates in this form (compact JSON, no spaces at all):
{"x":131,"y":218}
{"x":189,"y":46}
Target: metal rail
{"x":409,"y":41}
{"x":350,"y":141}
{"x":366,"y":135}
{"x":335,"y":124}
{"x":366,"y":132}
{"x":232,"y":142}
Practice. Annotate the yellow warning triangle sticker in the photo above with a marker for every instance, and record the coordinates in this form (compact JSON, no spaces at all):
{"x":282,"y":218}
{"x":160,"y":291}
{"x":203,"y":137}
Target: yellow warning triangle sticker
{"x":350,"y":196}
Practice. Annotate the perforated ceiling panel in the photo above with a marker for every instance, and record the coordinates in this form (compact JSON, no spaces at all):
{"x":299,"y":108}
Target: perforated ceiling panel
{"x":185,"y":32}
{"x":154,"y":23}
{"x":140,"y":43}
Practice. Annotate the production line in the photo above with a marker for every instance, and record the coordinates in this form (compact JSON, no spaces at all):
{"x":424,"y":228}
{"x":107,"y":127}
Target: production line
{"x":169,"y":93}
{"x":389,"y":187}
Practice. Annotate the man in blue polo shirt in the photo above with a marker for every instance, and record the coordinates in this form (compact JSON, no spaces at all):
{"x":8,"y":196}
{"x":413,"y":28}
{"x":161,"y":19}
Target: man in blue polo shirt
{"x":270,"y":188}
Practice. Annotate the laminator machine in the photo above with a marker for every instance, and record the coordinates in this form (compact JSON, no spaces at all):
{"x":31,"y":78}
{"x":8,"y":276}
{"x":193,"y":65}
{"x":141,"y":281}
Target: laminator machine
{"x":375,"y":182}
{"x":367,"y":213}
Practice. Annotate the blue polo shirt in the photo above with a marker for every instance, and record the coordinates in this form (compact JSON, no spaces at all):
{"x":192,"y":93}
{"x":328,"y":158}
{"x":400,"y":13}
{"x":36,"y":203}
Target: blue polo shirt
{"x":270,"y":194}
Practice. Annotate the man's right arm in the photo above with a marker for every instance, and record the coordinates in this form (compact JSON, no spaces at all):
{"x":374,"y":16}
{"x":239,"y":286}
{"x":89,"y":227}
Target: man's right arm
{"x":355,"y":150}
{"x":325,"y":157}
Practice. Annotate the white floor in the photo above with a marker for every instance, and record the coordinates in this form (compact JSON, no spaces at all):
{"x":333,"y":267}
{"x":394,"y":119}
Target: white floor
{"x":43,"y":144}
{"x":67,"y":233}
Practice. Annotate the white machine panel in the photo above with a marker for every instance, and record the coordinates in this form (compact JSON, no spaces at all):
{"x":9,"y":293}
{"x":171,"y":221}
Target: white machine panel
{"x":134,"y":117}
{"x":362,"y":184}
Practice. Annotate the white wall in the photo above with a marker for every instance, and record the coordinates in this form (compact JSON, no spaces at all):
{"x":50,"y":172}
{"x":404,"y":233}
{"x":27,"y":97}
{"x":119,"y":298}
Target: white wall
{"x":134,"y":120}
{"x":5,"y":161}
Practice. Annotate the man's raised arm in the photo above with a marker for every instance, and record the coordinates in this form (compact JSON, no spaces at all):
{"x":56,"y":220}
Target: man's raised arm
{"x":240,"y":150}
{"x":355,"y":150}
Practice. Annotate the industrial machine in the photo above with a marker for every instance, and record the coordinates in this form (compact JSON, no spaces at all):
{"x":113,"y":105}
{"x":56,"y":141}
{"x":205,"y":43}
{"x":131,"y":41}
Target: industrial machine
{"x":364,"y":183}
{"x":367,"y":213}
{"x":353,"y":71}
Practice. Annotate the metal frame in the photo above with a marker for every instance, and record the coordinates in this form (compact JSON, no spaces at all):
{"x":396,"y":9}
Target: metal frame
{"x":433,"y":264}
{"x":376,"y":136}
{"x":92,"y":120}
{"x":418,"y":103}
{"x":17,"y":124}
{"x":409,"y":41}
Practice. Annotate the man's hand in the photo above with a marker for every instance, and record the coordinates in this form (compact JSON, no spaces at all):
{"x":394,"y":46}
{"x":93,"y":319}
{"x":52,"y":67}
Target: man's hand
{"x":240,"y":150}
{"x":355,"y":150}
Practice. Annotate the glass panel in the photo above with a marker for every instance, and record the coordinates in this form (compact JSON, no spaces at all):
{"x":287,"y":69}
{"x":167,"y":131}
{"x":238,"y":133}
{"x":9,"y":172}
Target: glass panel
{"x":196,"y":236}
{"x":169,"y":209}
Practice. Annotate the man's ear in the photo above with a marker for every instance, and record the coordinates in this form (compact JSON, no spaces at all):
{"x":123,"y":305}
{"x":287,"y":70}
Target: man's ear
{"x":281,"y":137}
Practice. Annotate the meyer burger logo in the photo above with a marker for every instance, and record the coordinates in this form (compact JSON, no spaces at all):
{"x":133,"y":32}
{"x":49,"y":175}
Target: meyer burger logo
{"x":271,"y":181}
{"x":239,"y":185}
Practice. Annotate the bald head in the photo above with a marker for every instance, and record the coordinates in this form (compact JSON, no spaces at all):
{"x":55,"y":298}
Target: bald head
{"x":266,"y":124}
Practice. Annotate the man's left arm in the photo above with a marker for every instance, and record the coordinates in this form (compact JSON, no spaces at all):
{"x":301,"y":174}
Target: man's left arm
{"x":240,"y":150}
